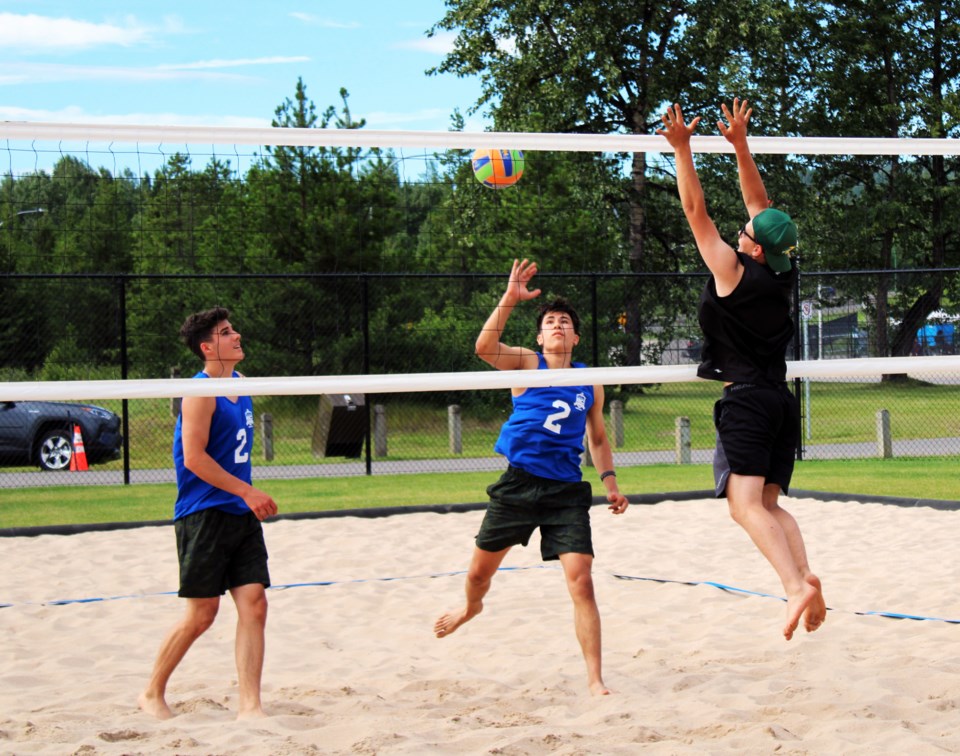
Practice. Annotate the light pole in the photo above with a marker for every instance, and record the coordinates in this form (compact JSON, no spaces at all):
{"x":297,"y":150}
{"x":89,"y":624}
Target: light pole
{"x":36,"y":210}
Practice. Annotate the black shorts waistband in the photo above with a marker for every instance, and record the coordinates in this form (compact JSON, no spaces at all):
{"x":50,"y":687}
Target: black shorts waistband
{"x":734,"y":387}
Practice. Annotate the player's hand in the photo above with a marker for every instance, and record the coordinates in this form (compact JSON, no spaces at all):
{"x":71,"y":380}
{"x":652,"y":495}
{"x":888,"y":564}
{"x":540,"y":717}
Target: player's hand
{"x":518,"y":288}
{"x":676,"y":131}
{"x":618,"y":502}
{"x":260,"y":503}
{"x":738,"y":116}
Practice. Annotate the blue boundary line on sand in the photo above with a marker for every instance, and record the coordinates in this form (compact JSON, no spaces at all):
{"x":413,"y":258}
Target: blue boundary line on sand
{"x":744,"y":591}
{"x":325,"y":583}
{"x":653,"y":498}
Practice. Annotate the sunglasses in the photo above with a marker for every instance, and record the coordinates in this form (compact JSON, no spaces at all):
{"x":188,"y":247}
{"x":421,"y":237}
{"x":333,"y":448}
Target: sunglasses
{"x":743,"y":232}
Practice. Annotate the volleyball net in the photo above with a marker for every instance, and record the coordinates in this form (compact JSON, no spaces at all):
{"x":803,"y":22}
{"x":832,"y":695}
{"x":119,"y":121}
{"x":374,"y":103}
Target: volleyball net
{"x":362,"y":263}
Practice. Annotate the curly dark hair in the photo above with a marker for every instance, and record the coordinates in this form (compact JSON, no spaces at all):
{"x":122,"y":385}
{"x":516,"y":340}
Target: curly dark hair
{"x":559,"y":305}
{"x":199,"y":327}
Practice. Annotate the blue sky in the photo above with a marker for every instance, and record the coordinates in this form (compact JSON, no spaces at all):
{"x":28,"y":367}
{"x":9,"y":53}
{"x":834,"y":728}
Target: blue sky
{"x":225,"y":64}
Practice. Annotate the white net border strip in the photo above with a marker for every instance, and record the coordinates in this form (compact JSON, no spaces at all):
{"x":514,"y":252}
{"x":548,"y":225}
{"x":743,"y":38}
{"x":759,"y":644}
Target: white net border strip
{"x":851,"y":369}
{"x":209,"y":135}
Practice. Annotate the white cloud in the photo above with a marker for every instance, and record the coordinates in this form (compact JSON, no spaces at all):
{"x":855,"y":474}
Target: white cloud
{"x":47,"y":73}
{"x":201,"y":70}
{"x":386,"y":120}
{"x":73,"y":114}
{"x":440,"y":43}
{"x":326,"y":23}
{"x":236,"y":63}
{"x":33,"y":33}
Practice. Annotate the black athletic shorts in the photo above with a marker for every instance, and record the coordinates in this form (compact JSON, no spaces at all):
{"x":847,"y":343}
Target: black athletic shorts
{"x":219,"y":551}
{"x":758,"y":428}
{"x":520,"y":503}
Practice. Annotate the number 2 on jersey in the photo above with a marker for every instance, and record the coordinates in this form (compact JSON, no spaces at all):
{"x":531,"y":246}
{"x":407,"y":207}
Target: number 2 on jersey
{"x":240,"y":454}
{"x":552,"y":423}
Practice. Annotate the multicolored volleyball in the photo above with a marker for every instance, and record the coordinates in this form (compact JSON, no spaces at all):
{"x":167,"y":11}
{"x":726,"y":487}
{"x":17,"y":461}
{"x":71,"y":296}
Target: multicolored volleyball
{"x":497,"y":168}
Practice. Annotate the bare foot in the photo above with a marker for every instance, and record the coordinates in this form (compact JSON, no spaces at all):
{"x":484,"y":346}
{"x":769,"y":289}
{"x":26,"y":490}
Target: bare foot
{"x":599,"y":689}
{"x":450,"y":621}
{"x":816,"y":612}
{"x":252,"y":714}
{"x":796,"y":606}
{"x":154,"y":706}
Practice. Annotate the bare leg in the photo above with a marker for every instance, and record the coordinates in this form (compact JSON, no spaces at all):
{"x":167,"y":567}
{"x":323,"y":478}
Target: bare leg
{"x":251,"y":601}
{"x":586,"y":616}
{"x":745,"y":496}
{"x":816,"y":612}
{"x":199,"y":616}
{"x":483,"y":567}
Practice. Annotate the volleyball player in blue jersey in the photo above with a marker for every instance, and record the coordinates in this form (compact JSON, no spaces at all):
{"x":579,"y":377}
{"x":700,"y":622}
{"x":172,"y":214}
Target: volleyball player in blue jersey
{"x":543,"y":486}
{"x":745,"y":316}
{"x":217,"y":519}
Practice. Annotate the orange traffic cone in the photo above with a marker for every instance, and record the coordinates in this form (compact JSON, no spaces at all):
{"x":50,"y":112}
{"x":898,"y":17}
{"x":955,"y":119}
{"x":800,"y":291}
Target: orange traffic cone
{"x":78,"y":460}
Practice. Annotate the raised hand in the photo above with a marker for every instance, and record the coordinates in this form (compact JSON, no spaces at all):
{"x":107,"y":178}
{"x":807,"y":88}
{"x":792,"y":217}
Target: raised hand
{"x":520,"y":275}
{"x":737,"y":119}
{"x":676,"y":131}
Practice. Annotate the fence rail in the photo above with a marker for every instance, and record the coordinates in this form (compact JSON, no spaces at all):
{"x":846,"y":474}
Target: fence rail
{"x":123,"y":326}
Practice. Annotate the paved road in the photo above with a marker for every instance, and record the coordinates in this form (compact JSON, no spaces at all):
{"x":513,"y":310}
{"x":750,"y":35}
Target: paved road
{"x":926,"y":447}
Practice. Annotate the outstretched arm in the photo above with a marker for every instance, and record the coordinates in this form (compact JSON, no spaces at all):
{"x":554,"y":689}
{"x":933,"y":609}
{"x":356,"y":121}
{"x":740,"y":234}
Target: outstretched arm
{"x":735,"y":131}
{"x":489,"y":348}
{"x":719,"y":256}
{"x":602,"y":454}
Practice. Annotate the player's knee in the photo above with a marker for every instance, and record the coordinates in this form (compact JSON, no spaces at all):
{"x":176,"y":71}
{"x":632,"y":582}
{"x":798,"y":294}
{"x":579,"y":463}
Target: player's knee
{"x":199,"y":621}
{"x":738,"y":509}
{"x":254,"y":609}
{"x":478,"y":577}
{"x":580,"y":585}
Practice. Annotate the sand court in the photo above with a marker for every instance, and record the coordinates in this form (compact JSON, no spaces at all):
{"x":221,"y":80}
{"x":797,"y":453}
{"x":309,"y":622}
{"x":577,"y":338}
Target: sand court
{"x":352,"y":665}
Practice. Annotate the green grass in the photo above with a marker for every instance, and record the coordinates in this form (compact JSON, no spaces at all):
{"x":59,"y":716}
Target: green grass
{"x":839,"y":413}
{"x":928,"y":478}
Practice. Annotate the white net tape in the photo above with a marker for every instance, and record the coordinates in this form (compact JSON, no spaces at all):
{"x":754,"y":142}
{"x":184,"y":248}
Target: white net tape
{"x":850,"y":369}
{"x":174,"y":135}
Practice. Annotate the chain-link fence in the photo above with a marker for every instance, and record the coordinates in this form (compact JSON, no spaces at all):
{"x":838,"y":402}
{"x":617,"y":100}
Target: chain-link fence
{"x":61,"y":327}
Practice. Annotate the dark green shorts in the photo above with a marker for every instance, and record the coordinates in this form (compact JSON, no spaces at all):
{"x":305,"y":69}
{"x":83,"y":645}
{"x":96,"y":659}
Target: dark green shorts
{"x":520,"y":503}
{"x":219,"y":551}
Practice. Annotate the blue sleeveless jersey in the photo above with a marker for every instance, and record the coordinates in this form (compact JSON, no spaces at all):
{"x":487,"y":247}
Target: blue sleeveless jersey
{"x":544,"y":435}
{"x":231,"y":438}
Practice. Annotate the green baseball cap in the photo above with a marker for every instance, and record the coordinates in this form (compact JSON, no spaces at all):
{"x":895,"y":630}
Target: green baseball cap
{"x":777,"y":234}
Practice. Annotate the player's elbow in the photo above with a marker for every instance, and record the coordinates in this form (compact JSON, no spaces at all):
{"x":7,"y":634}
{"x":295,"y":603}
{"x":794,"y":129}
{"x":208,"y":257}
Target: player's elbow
{"x":486,"y":352}
{"x":192,"y":460}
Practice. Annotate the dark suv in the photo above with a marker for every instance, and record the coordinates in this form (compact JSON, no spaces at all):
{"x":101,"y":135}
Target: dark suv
{"x":41,"y":433}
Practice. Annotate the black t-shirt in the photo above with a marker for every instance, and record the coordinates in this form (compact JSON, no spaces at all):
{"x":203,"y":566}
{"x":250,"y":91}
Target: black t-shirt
{"x":746,"y":333}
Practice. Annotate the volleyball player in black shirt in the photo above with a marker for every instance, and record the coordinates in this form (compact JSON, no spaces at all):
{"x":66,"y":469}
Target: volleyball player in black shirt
{"x":745,"y":316}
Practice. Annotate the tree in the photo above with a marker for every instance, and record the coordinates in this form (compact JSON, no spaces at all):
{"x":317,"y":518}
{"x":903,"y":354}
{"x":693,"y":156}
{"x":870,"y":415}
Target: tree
{"x":890,"y":70}
{"x":599,"y":67}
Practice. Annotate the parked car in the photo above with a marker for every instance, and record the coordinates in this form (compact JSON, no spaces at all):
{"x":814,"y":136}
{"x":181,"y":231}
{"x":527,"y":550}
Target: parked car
{"x":41,"y":433}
